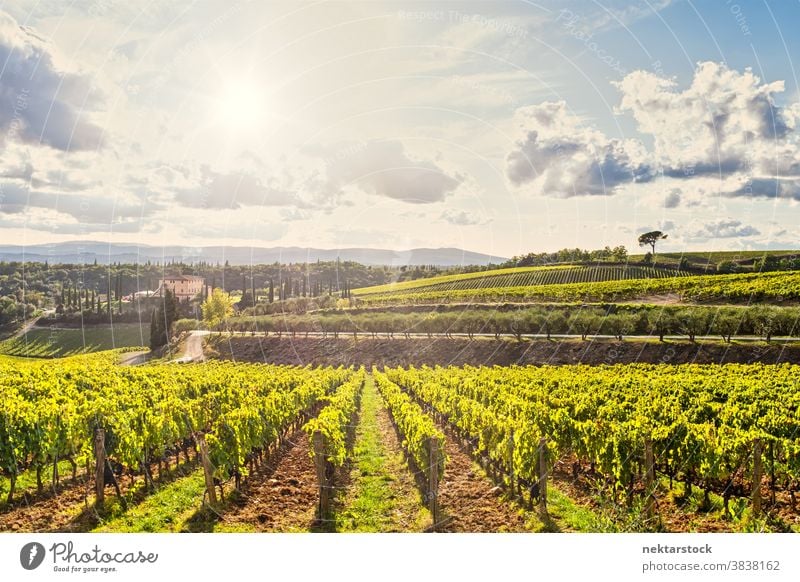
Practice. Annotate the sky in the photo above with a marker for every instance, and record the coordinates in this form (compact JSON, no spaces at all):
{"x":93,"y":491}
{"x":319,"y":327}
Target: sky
{"x":493,"y":126}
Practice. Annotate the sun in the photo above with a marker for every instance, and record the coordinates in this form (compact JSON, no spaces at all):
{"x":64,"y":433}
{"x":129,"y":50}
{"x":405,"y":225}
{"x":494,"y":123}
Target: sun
{"x":241,"y":105}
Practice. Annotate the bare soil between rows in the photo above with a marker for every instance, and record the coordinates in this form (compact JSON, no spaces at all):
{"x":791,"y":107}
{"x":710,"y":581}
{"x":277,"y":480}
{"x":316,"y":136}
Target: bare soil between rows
{"x":470,"y":502}
{"x":283,"y":495}
{"x":69,"y":508}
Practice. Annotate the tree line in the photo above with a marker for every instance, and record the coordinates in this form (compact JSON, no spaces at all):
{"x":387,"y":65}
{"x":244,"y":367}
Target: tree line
{"x":690,"y":321}
{"x":618,"y":254}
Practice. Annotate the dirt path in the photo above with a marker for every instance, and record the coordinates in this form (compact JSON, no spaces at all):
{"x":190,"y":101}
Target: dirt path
{"x":382,"y":496}
{"x":133,"y":358}
{"x":282,"y":497}
{"x":25,"y":328}
{"x":193,"y":348}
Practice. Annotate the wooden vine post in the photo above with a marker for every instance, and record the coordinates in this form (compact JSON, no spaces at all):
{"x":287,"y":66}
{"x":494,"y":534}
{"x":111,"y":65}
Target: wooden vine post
{"x":757,"y":473}
{"x":543,"y":476}
{"x":649,"y":477}
{"x":208,"y":470}
{"x":432,"y":446}
{"x":99,"y":467}
{"x":324,"y":474}
{"x":511,"y":463}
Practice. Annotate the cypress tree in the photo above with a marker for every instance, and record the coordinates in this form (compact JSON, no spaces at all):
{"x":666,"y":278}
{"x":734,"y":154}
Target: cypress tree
{"x":156,"y":331}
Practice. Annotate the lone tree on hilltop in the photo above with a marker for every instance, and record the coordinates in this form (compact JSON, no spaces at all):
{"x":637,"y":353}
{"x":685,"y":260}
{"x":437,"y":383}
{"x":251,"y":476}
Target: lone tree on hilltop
{"x":651,"y":238}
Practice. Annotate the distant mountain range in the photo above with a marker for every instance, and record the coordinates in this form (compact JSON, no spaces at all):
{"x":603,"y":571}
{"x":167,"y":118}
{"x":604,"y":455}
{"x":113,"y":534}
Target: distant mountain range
{"x":104,"y":253}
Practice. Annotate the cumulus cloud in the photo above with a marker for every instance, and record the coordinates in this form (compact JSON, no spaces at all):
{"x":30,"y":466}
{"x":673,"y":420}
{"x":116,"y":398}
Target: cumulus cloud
{"x":725,"y":126}
{"x":764,"y":187}
{"x":725,"y":121}
{"x":233,"y":190}
{"x":43,"y":102}
{"x":721,"y":228}
{"x":560,"y":156}
{"x":673,"y":198}
{"x":384,"y":168}
{"x":462,"y":218}
{"x":94,"y":208}
{"x":52,"y":221}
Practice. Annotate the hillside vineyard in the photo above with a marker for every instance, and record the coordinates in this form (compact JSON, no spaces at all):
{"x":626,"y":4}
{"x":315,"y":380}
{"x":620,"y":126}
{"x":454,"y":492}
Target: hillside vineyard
{"x":719,"y":428}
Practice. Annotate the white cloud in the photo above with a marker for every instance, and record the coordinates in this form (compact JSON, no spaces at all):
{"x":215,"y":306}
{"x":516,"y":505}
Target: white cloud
{"x":216,"y":190}
{"x":56,"y":222}
{"x":725,"y":121}
{"x":43,"y":102}
{"x":720,"y":228}
{"x":90,"y":208}
{"x":560,"y":156}
{"x":384,"y":168}
{"x":673,"y":198}
{"x":724,"y":135}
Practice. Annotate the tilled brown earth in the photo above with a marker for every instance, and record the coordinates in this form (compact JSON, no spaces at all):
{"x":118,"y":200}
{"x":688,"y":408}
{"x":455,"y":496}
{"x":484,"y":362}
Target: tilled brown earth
{"x":469,"y":500}
{"x":69,"y":508}
{"x":46,"y":513}
{"x":283,"y":495}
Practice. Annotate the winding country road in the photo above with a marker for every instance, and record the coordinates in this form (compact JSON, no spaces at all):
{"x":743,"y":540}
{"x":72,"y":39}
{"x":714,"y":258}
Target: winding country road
{"x":193,"y":351}
{"x":133,"y":358}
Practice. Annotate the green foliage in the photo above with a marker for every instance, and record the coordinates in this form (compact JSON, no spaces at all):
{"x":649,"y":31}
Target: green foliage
{"x":43,"y":342}
{"x":414,"y":425}
{"x":613,"y":319}
{"x":702,"y":419}
{"x":183,"y":325}
{"x":516,"y":277}
{"x":692,"y":322}
{"x":766,"y":321}
{"x":162,"y":319}
{"x":51,"y":409}
{"x":335,"y":419}
{"x":735,"y":288}
{"x":727,"y":322}
{"x":618,"y":254}
{"x":217,"y":307}
{"x":651,"y":238}
{"x":621,"y":324}
{"x":585,"y":322}
{"x":13,"y":311}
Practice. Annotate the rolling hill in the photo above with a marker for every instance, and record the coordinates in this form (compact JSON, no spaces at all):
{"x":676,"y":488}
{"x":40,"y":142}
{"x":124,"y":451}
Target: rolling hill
{"x":88,"y":252}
